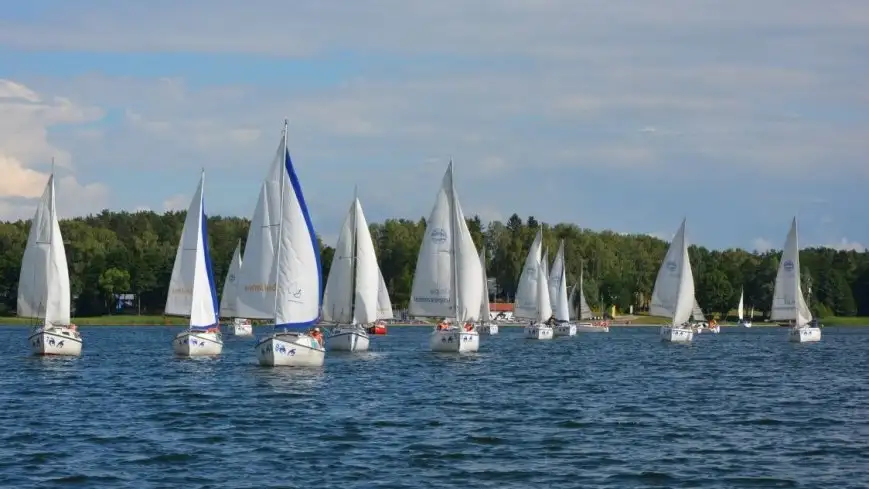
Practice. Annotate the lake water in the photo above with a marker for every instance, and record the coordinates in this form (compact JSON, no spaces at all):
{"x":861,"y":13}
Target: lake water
{"x":743,"y":409}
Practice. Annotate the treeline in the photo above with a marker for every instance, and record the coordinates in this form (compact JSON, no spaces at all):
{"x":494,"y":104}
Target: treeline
{"x":119,"y":252}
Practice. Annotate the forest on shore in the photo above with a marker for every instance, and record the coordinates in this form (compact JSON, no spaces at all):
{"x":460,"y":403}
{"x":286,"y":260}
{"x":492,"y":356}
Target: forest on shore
{"x":132,"y":253}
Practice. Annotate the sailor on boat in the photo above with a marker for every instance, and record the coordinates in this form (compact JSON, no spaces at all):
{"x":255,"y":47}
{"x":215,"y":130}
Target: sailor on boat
{"x":317,"y":335}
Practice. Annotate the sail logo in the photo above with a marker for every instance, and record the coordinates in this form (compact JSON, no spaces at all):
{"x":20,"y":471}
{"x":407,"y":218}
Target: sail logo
{"x":671,"y":265}
{"x":789,"y":266}
{"x":183,"y":290}
{"x":260,"y":288}
{"x":438,"y":236}
{"x":231,"y":278}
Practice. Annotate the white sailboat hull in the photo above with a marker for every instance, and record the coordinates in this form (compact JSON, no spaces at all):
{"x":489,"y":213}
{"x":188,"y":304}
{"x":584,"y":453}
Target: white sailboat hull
{"x":566,"y":329}
{"x":538,"y":332}
{"x":57,"y":340}
{"x":745,"y":324}
{"x":348,"y":338}
{"x":196,"y":344}
{"x":488,"y":328}
{"x":592,"y":328}
{"x":290,"y":349}
{"x":454,"y":340}
{"x":675,"y":334}
{"x":241,"y":330}
{"x":804,"y":334}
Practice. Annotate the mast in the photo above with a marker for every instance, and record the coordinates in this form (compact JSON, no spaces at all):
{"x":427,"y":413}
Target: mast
{"x":280,"y":223}
{"x":354,"y":257}
{"x":453,"y":267}
{"x":52,"y":210}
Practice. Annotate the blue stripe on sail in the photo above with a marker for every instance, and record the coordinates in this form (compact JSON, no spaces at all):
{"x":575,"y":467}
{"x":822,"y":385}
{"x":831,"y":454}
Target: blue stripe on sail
{"x":297,"y":189}
{"x":209,"y":269}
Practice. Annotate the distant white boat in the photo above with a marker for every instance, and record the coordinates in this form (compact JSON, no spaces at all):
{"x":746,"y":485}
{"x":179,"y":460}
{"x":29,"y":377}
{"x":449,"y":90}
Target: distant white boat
{"x":229,"y":300}
{"x":540,"y":330}
{"x":353,"y":286}
{"x":561,"y":302}
{"x":486,"y":326}
{"x":788,"y":302}
{"x":673,"y":295}
{"x":585,"y":314}
{"x":446,"y":282}
{"x":43,"y":283}
{"x":745,"y":323}
{"x":192,"y":291}
{"x":280,"y":276}
{"x":528,"y":292}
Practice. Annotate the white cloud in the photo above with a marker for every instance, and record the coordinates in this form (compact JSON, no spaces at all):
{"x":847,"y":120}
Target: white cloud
{"x":178,"y":202}
{"x":565,"y":90}
{"x":847,"y":245}
{"x":25,"y":118}
{"x":761,"y":244}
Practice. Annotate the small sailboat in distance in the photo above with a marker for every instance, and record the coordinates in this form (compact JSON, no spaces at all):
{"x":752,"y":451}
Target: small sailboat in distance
{"x":446,"y":281}
{"x":673,"y":295}
{"x":788,"y":302}
{"x":486,"y":325}
{"x":192,"y":291}
{"x":229,"y":299}
{"x":561,"y":301}
{"x":43,"y":283}
{"x":353,"y":286}
{"x":281,"y":275}
{"x":745,"y":323}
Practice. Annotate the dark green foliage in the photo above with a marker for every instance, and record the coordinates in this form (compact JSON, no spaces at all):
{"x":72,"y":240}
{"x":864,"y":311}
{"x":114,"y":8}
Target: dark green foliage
{"x":121,"y":252}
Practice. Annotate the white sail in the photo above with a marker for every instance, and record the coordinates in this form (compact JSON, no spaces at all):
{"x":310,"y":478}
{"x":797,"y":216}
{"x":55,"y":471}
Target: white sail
{"x":545,"y":263}
{"x":584,"y":310}
{"x":446,"y":282}
{"x":561,"y":301}
{"x":788,"y":303}
{"x":338,"y":295}
{"x":229,"y":299}
{"x":673,"y":295}
{"x":525,"y":306}
{"x":697,"y":313}
{"x":554,"y":275}
{"x":353,"y":285}
{"x":257,"y":280}
{"x":281,"y":278}
{"x":741,"y":306}
{"x":484,"y":302}
{"x":384,"y":305}
{"x":192,"y":291}
{"x":43,"y":283}
{"x":544,"y":305}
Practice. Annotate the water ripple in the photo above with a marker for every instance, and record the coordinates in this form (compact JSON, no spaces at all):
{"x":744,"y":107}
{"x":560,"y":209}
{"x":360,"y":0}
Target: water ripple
{"x":743,"y":409}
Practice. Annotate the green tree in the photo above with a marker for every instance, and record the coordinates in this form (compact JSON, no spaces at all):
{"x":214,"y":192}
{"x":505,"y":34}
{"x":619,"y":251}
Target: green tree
{"x":112,"y":282}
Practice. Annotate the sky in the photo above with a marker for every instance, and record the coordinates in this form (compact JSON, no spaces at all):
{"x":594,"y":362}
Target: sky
{"x":610,"y":114}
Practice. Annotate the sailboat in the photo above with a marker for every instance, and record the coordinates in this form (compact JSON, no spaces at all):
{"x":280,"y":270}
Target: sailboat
{"x":192,"y":291}
{"x":229,"y":300}
{"x":700,"y":324}
{"x":586,"y":314}
{"x":788,"y":303}
{"x":745,"y":323}
{"x":384,"y":308}
{"x":280,"y":279}
{"x":541,"y":330}
{"x":43,"y":284}
{"x":446,"y":282}
{"x":560,"y":302}
{"x":673,"y":295}
{"x":486,"y":326}
{"x":353,"y":286}
{"x":526,"y":305}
